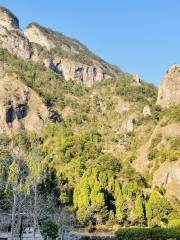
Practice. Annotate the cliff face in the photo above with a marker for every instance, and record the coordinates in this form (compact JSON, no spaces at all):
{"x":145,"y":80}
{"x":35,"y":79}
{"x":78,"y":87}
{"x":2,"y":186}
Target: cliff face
{"x":20,"y":107}
{"x":168,"y":175}
{"x":169,"y":90}
{"x":62,"y":54}
{"x":15,"y":42}
{"x":76,"y":70}
{"x":7,"y":19}
{"x":11,"y":37}
{"x":69,"y":57}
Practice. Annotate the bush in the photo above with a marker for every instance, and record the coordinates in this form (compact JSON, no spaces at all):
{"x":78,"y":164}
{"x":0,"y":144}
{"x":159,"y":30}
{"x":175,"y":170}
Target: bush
{"x":50,"y":230}
{"x":148,"y":233}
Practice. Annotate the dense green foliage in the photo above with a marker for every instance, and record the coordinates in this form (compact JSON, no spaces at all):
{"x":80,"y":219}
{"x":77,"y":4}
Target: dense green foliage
{"x":50,"y":230}
{"x":85,"y":152}
{"x":148,"y":233}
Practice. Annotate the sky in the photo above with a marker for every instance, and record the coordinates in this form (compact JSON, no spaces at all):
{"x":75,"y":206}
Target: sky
{"x":139,"y":36}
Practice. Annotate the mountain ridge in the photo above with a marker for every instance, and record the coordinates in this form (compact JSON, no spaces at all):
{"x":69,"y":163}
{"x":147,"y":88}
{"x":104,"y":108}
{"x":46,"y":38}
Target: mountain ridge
{"x":75,"y":62}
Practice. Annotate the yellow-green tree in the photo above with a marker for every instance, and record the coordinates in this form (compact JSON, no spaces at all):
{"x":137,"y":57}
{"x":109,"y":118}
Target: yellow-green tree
{"x":157,"y":209}
{"x":137,"y":213}
{"x":120,"y":208}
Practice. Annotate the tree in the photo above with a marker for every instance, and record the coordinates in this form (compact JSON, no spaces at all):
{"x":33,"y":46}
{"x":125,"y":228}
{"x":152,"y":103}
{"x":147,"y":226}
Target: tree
{"x":97,"y":197}
{"x":157,"y":209}
{"x":98,"y":203}
{"x":50,"y":230}
{"x":117,"y":189}
{"x":81,"y":199}
{"x":137,"y":213}
{"x":120,"y":208}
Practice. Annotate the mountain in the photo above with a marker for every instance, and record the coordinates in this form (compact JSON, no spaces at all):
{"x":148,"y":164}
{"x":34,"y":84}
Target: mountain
{"x":104,"y":143}
{"x":62,"y":54}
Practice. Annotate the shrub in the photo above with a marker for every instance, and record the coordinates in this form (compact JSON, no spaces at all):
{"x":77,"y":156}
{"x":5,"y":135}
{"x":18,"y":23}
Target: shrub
{"x":50,"y":230}
{"x":147,"y":233}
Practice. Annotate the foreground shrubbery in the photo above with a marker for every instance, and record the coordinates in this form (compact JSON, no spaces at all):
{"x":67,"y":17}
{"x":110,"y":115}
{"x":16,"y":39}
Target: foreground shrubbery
{"x":148,"y":233}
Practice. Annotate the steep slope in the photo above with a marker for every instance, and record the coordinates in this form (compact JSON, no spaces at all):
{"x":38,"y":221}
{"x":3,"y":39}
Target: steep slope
{"x":8,"y":19}
{"x":64,"y":55}
{"x":111,"y":137}
{"x":20,"y":107}
{"x":69,"y":56}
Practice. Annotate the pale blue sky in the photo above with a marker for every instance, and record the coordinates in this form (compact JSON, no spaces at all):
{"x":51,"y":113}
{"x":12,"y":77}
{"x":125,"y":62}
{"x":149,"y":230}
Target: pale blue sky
{"x":139,"y":36}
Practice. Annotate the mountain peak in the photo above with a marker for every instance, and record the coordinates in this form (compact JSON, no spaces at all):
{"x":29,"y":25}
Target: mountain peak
{"x":8,"y":19}
{"x":169,"y":90}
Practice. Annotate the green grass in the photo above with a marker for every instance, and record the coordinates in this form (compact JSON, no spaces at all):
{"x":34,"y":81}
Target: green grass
{"x":148,"y":233}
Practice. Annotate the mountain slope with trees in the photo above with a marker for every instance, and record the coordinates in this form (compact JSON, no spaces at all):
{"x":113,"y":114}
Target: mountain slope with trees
{"x":98,"y":157}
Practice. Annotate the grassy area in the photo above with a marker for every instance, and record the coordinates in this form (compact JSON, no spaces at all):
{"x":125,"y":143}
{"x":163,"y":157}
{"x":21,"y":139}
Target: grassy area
{"x":148,"y":233}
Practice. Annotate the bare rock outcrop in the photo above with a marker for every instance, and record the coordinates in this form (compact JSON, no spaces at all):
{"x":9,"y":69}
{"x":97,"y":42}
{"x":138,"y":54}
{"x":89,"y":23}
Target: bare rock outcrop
{"x":76,"y":71}
{"x":67,"y":56}
{"x":8,"y":19}
{"x":146,"y":111}
{"x":169,"y":90}
{"x":130,"y":123}
{"x":15,"y":42}
{"x":72,"y":59}
{"x":20,"y":107}
{"x":11,"y":37}
{"x":35,"y":35}
{"x":168,"y":175}
{"x":137,"y":79}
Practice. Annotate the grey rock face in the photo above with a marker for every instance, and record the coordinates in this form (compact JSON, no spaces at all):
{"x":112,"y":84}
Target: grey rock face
{"x":35,"y":35}
{"x":15,"y":42}
{"x":146,"y":111}
{"x":7,"y":19}
{"x":169,"y":175}
{"x":65,"y":61}
{"x":137,"y":79}
{"x":20,"y":107}
{"x":68,"y":56}
{"x":169,"y":90}
{"x":76,"y":71}
{"x":129,"y":125}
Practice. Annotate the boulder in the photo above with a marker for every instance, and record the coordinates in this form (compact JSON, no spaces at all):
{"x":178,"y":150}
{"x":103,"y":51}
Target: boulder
{"x":137,"y":79}
{"x":129,"y":125}
{"x":146,"y":111}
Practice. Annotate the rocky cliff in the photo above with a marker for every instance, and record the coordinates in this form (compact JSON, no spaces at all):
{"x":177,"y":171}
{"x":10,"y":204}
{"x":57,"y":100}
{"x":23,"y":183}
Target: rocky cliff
{"x":69,"y":57}
{"x":168,"y":175}
{"x":169,"y":90}
{"x":8,"y":19}
{"x":64,"y":55}
{"x":20,"y":107}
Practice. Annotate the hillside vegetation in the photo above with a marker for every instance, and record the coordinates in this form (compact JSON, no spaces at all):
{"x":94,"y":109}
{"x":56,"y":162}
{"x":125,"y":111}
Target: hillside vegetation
{"x":87,"y":149}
